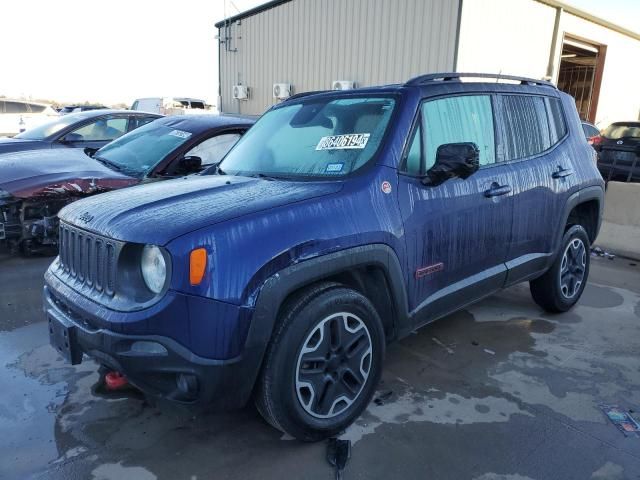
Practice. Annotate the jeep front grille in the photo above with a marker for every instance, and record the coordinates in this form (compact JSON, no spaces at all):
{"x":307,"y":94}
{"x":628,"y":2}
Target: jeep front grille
{"x":88,"y":260}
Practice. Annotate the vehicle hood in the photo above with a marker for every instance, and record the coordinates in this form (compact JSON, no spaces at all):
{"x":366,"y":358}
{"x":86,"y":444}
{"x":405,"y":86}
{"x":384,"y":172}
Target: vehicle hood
{"x":159,"y":212}
{"x":8,"y":145}
{"x":56,"y":171}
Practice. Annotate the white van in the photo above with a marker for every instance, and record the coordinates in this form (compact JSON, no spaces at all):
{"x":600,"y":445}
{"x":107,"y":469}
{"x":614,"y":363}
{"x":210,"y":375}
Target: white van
{"x":172,"y":105}
{"x":17,"y":116}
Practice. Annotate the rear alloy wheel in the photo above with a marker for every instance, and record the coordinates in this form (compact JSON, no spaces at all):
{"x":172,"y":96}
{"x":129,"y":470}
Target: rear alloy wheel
{"x":323,"y":364}
{"x":562,"y":285}
{"x":572,"y":268}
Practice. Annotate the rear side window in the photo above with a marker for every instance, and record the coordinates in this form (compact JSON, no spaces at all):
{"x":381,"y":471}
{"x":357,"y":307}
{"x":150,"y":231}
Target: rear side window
{"x":466,"y":118}
{"x":15,"y":107}
{"x":102,"y":130}
{"x":557,"y":125}
{"x":525,"y":126}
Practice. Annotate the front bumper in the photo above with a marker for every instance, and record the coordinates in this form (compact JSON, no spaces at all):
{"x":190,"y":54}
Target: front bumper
{"x":157,"y":364}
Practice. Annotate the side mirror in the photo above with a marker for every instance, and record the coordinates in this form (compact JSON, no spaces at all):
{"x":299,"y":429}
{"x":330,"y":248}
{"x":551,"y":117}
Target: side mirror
{"x":189,"y":164}
{"x":453,"y":160}
{"x":71,"y":137}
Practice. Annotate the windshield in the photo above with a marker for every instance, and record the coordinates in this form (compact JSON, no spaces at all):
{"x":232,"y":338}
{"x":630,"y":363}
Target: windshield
{"x":317,"y":137}
{"x":138,"y":152}
{"x":616,"y":131}
{"x":47,"y":129}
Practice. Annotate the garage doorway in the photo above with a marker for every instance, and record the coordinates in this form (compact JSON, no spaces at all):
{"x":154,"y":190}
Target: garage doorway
{"x":580,"y":74}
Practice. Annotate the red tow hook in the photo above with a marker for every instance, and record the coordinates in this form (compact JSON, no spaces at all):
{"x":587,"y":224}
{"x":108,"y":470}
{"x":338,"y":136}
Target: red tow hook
{"x":115,"y":381}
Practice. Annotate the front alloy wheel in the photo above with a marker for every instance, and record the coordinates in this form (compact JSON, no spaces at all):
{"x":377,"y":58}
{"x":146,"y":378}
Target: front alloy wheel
{"x":333,"y":365}
{"x":323,"y":363}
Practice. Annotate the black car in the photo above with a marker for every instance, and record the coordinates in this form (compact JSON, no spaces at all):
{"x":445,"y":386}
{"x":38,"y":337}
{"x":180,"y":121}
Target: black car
{"x":618,"y":150}
{"x":93,"y":129}
{"x":34,"y":185}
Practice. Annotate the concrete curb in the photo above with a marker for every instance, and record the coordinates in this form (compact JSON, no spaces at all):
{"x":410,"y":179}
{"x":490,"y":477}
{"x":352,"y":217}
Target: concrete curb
{"x":620,"y":232}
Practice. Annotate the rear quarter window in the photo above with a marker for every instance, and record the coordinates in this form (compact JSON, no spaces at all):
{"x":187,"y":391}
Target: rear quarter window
{"x":15,"y":107}
{"x":525,"y":126}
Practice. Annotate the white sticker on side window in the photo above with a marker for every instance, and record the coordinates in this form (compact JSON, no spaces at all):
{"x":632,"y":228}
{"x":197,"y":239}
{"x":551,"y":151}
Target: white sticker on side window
{"x":180,"y":133}
{"x":343,"y":142}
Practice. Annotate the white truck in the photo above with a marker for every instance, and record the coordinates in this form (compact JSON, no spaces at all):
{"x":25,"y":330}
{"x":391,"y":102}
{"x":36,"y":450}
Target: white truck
{"x":173,"y":105}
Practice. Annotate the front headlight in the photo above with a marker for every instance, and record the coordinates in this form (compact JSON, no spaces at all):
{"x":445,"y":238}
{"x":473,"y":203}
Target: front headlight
{"x":154,"y":268}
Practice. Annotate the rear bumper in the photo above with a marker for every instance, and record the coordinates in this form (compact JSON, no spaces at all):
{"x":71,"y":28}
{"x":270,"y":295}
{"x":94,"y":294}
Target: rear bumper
{"x":157,"y":364}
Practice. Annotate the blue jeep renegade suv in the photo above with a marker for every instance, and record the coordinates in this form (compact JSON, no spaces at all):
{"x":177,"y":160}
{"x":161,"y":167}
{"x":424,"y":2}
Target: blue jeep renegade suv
{"x":340,"y":222}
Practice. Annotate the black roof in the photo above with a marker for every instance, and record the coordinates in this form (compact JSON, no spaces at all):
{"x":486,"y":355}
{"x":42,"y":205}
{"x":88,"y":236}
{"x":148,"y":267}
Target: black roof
{"x":199,"y":123}
{"x":83,"y":115}
{"x":251,"y":12}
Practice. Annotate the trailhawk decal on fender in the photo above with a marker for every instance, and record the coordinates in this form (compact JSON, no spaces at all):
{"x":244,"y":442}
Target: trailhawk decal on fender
{"x":424,"y":271}
{"x":343,"y":142}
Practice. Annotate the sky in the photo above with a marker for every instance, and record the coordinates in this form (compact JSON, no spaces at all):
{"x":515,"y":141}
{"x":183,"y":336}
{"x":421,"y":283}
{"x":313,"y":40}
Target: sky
{"x":119,"y":50}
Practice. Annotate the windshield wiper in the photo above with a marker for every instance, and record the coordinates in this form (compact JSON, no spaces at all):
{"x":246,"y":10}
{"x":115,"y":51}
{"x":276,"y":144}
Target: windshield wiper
{"x":268,"y":177}
{"x":108,"y":163}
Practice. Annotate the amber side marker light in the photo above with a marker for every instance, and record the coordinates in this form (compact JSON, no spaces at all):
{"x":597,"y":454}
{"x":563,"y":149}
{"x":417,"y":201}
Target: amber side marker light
{"x":197,"y":265}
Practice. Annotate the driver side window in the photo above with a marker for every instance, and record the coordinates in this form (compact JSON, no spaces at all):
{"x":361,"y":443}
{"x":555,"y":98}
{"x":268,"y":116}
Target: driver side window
{"x":467,"y":118}
{"x":102,"y":129}
{"x":213,"y":149}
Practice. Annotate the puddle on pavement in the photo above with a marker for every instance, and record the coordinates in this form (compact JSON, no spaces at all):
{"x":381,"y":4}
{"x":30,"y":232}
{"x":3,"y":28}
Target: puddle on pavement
{"x":62,"y":417}
{"x":600,"y":297}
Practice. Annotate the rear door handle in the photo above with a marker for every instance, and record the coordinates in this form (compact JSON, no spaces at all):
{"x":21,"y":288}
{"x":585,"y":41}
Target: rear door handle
{"x":496,"y":190}
{"x":562,"y":172}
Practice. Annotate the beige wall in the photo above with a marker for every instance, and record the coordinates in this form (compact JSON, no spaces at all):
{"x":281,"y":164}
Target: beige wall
{"x":620,"y":93}
{"x":515,"y":37}
{"x":310,"y":43}
{"x":505,"y":36}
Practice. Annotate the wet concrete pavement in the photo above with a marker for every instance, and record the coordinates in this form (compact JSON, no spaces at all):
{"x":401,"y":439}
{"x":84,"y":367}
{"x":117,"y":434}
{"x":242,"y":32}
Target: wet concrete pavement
{"x":498,"y":391}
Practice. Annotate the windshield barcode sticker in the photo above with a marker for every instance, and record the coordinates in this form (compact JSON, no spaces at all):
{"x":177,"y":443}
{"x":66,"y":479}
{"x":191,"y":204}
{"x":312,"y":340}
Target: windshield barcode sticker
{"x":180,"y":133}
{"x":340,"y":142}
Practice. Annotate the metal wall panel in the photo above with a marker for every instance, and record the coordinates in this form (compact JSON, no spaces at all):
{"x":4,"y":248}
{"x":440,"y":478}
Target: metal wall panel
{"x":310,"y":43}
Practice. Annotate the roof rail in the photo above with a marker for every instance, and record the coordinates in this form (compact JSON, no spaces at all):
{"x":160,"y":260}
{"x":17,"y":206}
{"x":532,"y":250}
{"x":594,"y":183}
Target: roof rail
{"x":456,"y":76}
{"x":305,"y":94}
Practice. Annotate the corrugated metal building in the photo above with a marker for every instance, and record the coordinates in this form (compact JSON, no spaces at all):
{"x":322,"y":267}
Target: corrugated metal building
{"x":309,"y":44}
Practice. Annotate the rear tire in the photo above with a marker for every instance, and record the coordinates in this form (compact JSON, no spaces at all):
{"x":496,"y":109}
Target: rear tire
{"x":562,"y":285}
{"x":323,"y":363}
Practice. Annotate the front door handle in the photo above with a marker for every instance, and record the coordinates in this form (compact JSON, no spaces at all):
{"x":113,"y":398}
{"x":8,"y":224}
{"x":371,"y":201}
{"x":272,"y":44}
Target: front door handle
{"x":562,"y":172}
{"x":496,"y":190}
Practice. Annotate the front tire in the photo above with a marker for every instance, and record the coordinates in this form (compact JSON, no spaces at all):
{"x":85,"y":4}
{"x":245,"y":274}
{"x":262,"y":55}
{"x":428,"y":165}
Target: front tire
{"x":561,"y":287}
{"x":323,"y":364}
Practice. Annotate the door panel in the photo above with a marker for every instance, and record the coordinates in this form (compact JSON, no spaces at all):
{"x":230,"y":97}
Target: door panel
{"x":457,"y":233}
{"x":542,"y":178}
{"x":457,"y":239}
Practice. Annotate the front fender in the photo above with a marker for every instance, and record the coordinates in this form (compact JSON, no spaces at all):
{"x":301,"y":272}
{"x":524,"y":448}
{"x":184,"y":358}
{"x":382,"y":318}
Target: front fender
{"x":279,"y":286}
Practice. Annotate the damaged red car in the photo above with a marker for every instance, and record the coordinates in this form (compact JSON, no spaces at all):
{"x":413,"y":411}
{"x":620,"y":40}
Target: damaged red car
{"x":35,"y":185}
